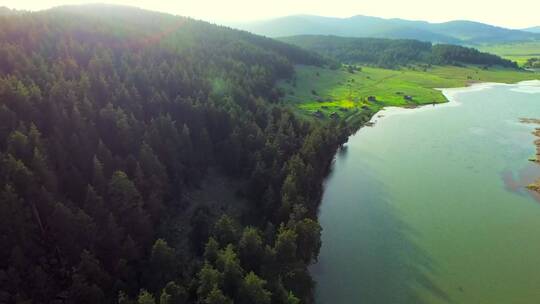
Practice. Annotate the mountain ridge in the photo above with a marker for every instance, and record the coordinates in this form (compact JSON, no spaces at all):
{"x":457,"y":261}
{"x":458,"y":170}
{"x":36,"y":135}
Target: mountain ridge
{"x":533,"y":29}
{"x":456,"y":31}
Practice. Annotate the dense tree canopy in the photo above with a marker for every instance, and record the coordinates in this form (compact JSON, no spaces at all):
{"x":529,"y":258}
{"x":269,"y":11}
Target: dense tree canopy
{"x":109,"y":117}
{"x":392,"y":53}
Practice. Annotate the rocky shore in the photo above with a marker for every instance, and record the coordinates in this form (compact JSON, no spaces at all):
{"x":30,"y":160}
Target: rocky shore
{"x":536,"y":158}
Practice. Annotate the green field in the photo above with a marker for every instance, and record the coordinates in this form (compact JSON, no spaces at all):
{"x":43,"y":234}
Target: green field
{"x":320,"y":92}
{"x":518,"y":52}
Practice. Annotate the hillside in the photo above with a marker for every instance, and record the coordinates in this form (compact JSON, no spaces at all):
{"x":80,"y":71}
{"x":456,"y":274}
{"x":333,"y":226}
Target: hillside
{"x":355,"y":94}
{"x":518,"y":52}
{"x":392,"y":53}
{"x":144,"y":156}
{"x":534,"y":29}
{"x":454,"y":32}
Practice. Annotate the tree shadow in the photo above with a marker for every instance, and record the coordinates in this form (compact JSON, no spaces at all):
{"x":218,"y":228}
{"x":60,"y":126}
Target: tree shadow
{"x":368,"y":254}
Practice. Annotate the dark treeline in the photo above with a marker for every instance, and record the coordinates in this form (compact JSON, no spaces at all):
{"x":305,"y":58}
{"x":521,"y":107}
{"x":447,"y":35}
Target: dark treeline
{"x":532,"y":63}
{"x":456,"y":55}
{"x":392,"y":53}
{"x":109,"y":116}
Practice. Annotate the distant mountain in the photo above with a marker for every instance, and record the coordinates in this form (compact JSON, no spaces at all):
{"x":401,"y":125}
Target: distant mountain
{"x":456,"y":32}
{"x":534,"y":29}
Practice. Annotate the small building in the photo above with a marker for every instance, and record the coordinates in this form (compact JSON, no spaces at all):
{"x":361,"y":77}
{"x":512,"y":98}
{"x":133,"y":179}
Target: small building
{"x":408,"y":97}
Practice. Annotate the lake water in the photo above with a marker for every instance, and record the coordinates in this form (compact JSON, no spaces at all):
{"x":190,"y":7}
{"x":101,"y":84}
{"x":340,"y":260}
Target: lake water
{"x":429,"y":205}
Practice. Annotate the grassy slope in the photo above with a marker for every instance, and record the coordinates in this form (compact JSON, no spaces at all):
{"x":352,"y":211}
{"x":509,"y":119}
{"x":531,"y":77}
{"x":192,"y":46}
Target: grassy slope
{"x":518,"y":52}
{"x":346,"y":94}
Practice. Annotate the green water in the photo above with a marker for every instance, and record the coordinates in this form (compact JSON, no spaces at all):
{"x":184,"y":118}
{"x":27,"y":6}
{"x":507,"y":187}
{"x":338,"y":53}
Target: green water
{"x":429,"y":205}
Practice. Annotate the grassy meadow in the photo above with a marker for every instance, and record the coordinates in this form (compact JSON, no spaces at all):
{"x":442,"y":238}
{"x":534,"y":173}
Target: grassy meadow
{"x":320,"y":92}
{"x":518,"y":52}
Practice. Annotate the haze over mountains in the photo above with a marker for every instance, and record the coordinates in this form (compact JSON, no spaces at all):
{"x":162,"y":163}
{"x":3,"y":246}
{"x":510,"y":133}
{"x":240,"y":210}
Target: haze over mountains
{"x":455,"y":32}
{"x":534,"y":29}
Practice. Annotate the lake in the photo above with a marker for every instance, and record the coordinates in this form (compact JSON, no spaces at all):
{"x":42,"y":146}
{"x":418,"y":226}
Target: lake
{"x":429,"y":205}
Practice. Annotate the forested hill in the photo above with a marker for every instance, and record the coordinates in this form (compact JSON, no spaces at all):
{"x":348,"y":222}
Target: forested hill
{"x":110,"y":118}
{"x":391,"y":53}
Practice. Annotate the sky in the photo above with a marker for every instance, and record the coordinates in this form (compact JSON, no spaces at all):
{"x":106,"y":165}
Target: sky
{"x":512,"y":14}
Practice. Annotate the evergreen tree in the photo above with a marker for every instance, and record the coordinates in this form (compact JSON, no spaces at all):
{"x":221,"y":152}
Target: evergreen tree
{"x":229,"y":264}
{"x":211,"y":250}
{"x":253,"y":290}
{"x":216,"y":296}
{"x":162,"y":266}
{"x":285,"y":246}
{"x":145,"y":298}
{"x":226,"y":230}
{"x":126,"y":203}
{"x":173,"y":294}
{"x":208,"y":279}
{"x":251,"y":248}
{"x":309,"y":239}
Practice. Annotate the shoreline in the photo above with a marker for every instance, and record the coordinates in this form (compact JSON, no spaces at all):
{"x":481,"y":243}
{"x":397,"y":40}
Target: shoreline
{"x":534,"y":186}
{"x":472,"y":186}
{"x":526,"y":86}
{"x":450,"y":95}
{"x":453,"y":100}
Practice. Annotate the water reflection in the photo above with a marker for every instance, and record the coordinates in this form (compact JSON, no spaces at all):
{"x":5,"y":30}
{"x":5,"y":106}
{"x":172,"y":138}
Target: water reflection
{"x":380,"y":254}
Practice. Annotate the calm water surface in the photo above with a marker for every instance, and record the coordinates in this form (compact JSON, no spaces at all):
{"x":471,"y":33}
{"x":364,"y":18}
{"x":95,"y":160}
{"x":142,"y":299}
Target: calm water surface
{"x":429,"y":205}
